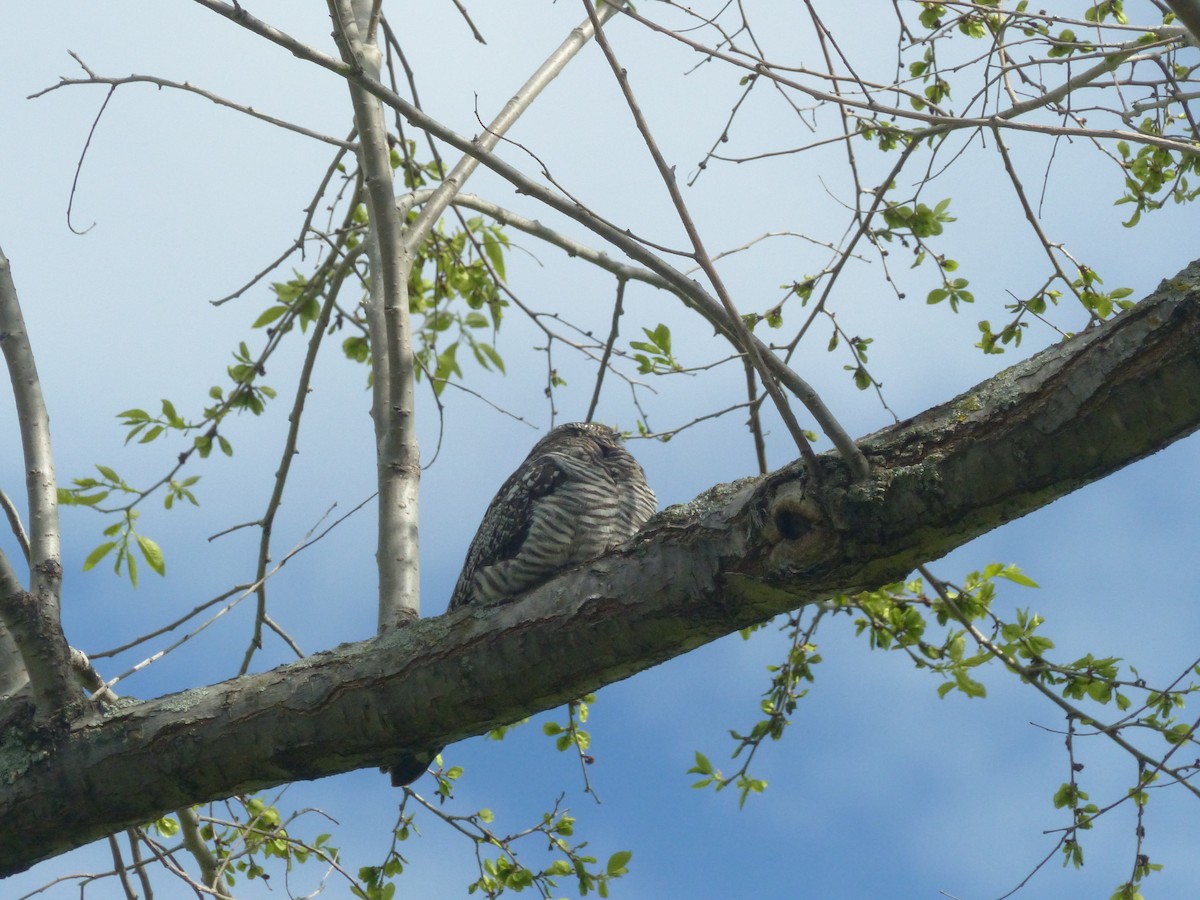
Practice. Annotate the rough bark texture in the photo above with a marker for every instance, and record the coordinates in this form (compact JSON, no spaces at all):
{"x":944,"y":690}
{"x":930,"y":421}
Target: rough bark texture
{"x":736,"y":555}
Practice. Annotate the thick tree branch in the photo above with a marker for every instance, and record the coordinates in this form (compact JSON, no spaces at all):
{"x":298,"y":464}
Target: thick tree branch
{"x":398,"y":454}
{"x":1188,"y":12}
{"x":32,"y":617}
{"x":736,"y":555}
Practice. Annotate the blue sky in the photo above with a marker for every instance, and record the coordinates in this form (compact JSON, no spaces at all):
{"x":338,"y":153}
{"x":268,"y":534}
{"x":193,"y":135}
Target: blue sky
{"x":880,"y":789}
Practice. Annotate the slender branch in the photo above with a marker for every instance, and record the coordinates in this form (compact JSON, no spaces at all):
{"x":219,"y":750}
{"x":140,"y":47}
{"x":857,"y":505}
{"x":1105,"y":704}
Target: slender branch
{"x":542,"y":231}
{"x":1029,"y":675}
{"x":667,"y":173}
{"x":119,"y":868}
{"x":267,"y":522}
{"x":89,"y":678}
{"x":171,"y":626}
{"x":14,"y":522}
{"x":32,"y":617}
{"x":939,"y":123}
{"x":484,"y":143}
{"x":210,"y":868}
{"x":618,"y":308}
{"x":754,"y":422}
{"x":193,"y":89}
{"x":307,"y":541}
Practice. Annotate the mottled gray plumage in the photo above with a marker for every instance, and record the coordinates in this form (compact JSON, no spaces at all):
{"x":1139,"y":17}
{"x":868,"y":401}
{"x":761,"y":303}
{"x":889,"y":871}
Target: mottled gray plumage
{"x":576,"y":496}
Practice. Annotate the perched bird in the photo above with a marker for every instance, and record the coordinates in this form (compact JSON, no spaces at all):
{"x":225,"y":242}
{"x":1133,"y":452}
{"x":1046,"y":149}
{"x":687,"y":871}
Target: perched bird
{"x":576,"y":496}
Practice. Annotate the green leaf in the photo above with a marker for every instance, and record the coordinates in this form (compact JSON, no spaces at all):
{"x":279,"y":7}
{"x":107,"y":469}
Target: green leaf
{"x":133,"y":573}
{"x":152,"y":554}
{"x":98,"y":554}
{"x":1016,"y":576}
{"x":618,"y":863}
{"x":703,"y":766}
{"x":269,"y":315}
{"x":170,"y":415}
{"x":490,"y":352}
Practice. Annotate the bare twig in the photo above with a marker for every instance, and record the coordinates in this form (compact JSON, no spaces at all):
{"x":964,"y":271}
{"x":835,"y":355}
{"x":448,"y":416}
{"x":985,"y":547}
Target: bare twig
{"x":754,"y":422}
{"x":737,"y":325}
{"x":14,"y":523}
{"x":79,"y":165}
{"x":114,"y":83}
{"x":119,"y":867}
{"x":618,"y":306}
{"x":267,"y":522}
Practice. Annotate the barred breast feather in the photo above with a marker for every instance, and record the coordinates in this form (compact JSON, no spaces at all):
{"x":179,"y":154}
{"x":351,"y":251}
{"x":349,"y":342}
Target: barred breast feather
{"x":576,"y":496}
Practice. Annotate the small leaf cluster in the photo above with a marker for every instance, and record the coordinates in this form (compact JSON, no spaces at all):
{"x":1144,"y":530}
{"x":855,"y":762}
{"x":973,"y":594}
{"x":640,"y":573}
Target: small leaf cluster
{"x":918,"y":220}
{"x":570,"y":735}
{"x":954,"y":290}
{"x":256,"y":835}
{"x":467,"y":265}
{"x":295,"y":300}
{"x":1151,"y":170}
{"x":890,"y":135}
{"x":247,"y":395}
{"x":895,"y":619}
{"x":122,"y":535}
{"x":746,"y":785}
{"x":147,"y":427}
{"x":1066,"y":44}
{"x":377,"y":882}
{"x":415,"y":173}
{"x":1100,"y":304}
{"x":858,"y":346}
{"x":505,"y":873}
{"x":995,"y":342}
{"x":653,"y":355}
{"x":1099,"y":10}
{"x":778,"y":704}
